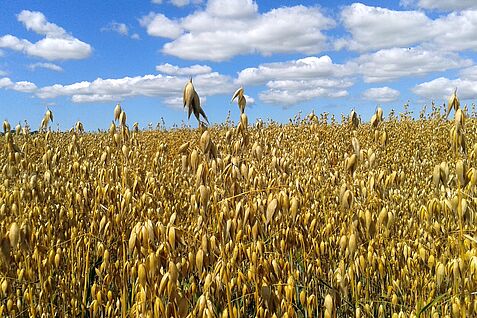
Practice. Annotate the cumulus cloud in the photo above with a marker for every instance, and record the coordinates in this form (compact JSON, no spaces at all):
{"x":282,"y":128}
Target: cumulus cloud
{"x":444,"y":5}
{"x":21,"y":86}
{"x":456,"y":31}
{"x":94,"y":98}
{"x":119,"y":28}
{"x":291,"y":92}
{"x":250,"y":100}
{"x":289,"y":97}
{"x":469,"y":73}
{"x":305,"y":68}
{"x":5,"y":82}
{"x":381,"y":94}
{"x":164,"y":86}
{"x":374,"y":28}
{"x":112,"y":89}
{"x":176,"y":70}
{"x":448,"y":5}
{"x":395,"y":63}
{"x":24,"y":87}
{"x":295,"y":81}
{"x":232,"y":9}
{"x":56,"y":45}
{"x":167,"y":86}
{"x":180,"y":3}
{"x":443,"y":87}
{"x":177,"y":102}
{"x":225,"y":29}
{"x":48,"y":66}
{"x":35,"y":21}
{"x":296,"y":85}
{"x":12,"y":42}
{"x":157,"y":24}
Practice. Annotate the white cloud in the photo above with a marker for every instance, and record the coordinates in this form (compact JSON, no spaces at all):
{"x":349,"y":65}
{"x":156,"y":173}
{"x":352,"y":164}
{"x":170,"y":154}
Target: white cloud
{"x":232,"y":9}
{"x":183,"y":3}
{"x":291,"y":92}
{"x":395,"y":63}
{"x":374,"y":28}
{"x":250,"y":100}
{"x":148,"y":85}
{"x":448,"y":5}
{"x":36,"y":22}
{"x":445,"y":5}
{"x":443,"y":87}
{"x":64,"y":90}
{"x":469,"y":73}
{"x":22,"y":86}
{"x":178,"y":103}
{"x":14,"y":43}
{"x":180,"y":3}
{"x":292,"y":97}
{"x":294,"y":85}
{"x":305,"y":68}
{"x":176,"y":70}
{"x":159,"y":25}
{"x":60,"y":49}
{"x":119,"y":28}
{"x":457,"y":31}
{"x":381,"y":94}
{"x":48,"y":66}
{"x":295,"y":81}
{"x":5,"y":82}
{"x":225,"y":29}
{"x":94,"y":98}
{"x":56,"y":45}
{"x":175,"y":102}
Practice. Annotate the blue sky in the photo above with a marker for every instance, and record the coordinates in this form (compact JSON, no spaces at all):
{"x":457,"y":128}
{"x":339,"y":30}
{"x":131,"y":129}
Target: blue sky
{"x":80,"y":58}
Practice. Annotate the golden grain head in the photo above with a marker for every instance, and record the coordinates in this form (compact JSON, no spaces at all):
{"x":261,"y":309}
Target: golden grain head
{"x":117,"y":111}
{"x":14,"y":234}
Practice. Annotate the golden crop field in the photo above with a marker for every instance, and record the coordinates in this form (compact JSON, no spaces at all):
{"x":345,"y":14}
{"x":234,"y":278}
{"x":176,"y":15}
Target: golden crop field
{"x":313,"y":218}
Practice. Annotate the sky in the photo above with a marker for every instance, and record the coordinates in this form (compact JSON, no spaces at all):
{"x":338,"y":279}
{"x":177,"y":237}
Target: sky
{"x":80,"y":58}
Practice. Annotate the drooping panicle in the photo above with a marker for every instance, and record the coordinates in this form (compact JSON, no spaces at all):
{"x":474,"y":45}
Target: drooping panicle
{"x":353,"y":119}
{"x":453,"y":103}
{"x":192,"y":102}
{"x":242,"y":102}
{"x":117,"y":111}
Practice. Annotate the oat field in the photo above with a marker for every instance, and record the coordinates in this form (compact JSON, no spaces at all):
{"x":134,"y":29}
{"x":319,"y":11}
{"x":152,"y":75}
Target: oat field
{"x":318,"y":217}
